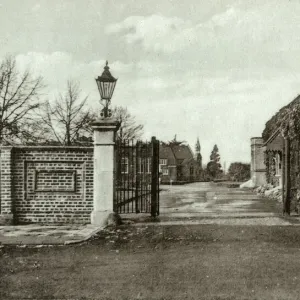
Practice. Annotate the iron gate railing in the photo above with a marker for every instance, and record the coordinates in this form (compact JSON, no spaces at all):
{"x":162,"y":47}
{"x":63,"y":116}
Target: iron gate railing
{"x":0,"y":183}
{"x":136,"y":184}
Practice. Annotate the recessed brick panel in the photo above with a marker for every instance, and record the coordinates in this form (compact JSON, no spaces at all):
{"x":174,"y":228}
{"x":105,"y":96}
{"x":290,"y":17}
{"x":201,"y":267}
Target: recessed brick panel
{"x":52,"y":184}
{"x":55,"y":181}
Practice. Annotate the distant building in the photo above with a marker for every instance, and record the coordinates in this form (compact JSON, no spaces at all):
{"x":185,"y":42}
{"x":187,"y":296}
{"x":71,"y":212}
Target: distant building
{"x":177,"y":163}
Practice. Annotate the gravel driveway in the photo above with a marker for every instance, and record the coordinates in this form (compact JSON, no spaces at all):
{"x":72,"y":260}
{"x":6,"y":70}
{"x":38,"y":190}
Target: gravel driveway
{"x":211,"y":203}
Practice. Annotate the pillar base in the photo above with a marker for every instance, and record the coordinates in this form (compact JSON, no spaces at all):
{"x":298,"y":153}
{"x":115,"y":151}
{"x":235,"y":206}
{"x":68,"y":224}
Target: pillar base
{"x":100,"y":218}
{"x":6,"y":219}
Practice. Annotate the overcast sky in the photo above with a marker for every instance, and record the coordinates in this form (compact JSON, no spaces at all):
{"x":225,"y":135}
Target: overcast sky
{"x":217,"y":70}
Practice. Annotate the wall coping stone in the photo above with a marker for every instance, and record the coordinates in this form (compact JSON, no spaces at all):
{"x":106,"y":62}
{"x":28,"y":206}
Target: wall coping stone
{"x":106,"y":124}
{"x":89,"y":148}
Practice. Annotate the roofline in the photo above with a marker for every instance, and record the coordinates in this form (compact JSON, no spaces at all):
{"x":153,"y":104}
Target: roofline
{"x":191,"y":150}
{"x":277,"y":131}
{"x":272,"y":137}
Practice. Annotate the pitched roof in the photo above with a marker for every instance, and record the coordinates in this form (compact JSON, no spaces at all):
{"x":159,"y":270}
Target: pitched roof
{"x":175,"y":153}
{"x":182,"y":152}
{"x":188,"y":161}
{"x":165,"y":152}
{"x":272,"y":125}
{"x":272,"y":137}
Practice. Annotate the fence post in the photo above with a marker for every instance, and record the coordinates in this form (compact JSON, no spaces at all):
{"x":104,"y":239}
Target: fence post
{"x":154,"y":177}
{"x":104,"y":143}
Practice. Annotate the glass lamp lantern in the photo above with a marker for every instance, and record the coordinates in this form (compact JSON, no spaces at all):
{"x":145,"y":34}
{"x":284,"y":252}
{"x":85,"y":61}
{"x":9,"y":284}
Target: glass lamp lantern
{"x":106,"y":85}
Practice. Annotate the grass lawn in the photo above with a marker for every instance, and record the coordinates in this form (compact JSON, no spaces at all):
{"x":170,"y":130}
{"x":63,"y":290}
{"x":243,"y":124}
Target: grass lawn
{"x":171,"y":262}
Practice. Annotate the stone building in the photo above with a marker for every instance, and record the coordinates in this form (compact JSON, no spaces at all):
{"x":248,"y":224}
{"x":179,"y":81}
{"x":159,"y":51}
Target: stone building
{"x":275,"y":157}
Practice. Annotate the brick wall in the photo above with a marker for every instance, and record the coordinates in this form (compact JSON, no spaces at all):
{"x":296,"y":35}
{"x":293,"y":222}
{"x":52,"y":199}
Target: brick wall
{"x":48,"y":184}
{"x":5,"y":177}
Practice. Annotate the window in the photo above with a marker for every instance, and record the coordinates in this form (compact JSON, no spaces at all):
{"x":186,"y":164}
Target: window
{"x":144,"y":165}
{"x":124,"y":165}
{"x":165,"y":170}
{"x":278,"y":164}
{"x":191,"y":170}
{"x":162,"y":163}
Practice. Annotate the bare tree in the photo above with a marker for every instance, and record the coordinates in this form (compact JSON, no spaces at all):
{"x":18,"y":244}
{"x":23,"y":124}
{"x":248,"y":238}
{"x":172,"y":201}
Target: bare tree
{"x":129,"y":129}
{"x":19,"y":98}
{"x":67,"y":119}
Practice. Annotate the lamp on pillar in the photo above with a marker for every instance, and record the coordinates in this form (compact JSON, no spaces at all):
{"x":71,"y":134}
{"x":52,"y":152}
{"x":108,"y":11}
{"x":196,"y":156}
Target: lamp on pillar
{"x":106,"y":85}
{"x":104,"y":160}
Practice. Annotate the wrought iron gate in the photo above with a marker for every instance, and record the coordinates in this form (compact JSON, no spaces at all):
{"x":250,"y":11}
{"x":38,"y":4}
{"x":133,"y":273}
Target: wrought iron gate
{"x":0,"y":183}
{"x":136,"y":181}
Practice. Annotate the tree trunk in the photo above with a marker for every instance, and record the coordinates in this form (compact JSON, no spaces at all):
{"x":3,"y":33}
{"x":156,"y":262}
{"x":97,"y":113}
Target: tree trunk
{"x":287,"y":180}
{"x":68,"y":136}
{"x":283,"y":174}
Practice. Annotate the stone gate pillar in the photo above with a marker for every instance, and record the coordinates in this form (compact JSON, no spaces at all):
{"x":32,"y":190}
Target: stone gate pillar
{"x":258,"y":168}
{"x":104,"y":142}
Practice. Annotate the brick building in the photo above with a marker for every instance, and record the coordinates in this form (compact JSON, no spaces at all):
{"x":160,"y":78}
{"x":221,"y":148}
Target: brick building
{"x":177,"y":163}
